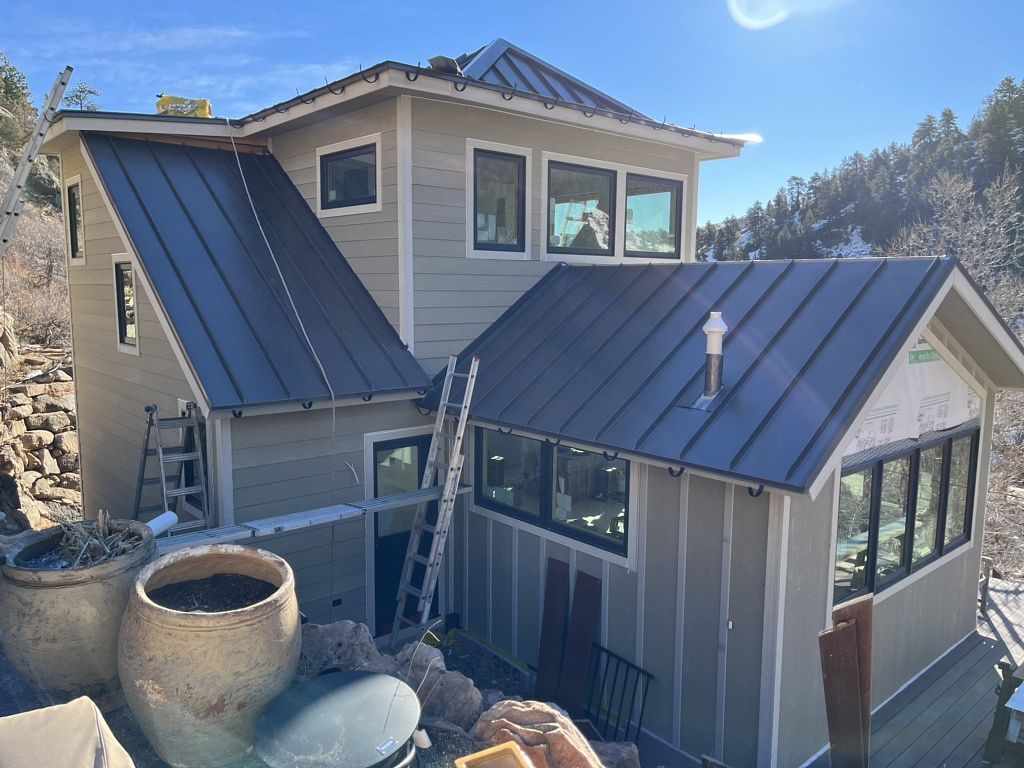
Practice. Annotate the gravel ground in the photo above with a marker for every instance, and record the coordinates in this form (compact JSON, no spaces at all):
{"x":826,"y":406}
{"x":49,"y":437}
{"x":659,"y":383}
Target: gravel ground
{"x":486,"y":669}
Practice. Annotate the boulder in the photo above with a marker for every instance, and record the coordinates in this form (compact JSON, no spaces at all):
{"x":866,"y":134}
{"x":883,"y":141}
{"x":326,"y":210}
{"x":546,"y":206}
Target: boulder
{"x":36,"y":438}
{"x":384,"y":664}
{"x":49,"y":403}
{"x":65,"y":388}
{"x":19,"y":398}
{"x":491,"y":696}
{"x":48,"y":491}
{"x":345,"y":645}
{"x":71,"y":480}
{"x":68,"y":462}
{"x":20,"y":411}
{"x":56,"y":421}
{"x":32,"y":390}
{"x":10,"y":462}
{"x":32,"y":515}
{"x":66,"y":441}
{"x":419,"y":665}
{"x":546,"y":734}
{"x":452,"y":697}
{"x":13,"y":429}
{"x":617,"y":754}
{"x":28,"y":479}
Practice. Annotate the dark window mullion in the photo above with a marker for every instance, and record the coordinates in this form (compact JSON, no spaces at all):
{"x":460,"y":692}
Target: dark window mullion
{"x":547,"y":481}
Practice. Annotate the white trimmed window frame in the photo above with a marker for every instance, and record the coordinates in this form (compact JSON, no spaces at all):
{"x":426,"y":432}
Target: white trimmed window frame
{"x":342,"y":146}
{"x":71,"y":181}
{"x":618,"y":255}
{"x":116,"y":260}
{"x":509,"y":149}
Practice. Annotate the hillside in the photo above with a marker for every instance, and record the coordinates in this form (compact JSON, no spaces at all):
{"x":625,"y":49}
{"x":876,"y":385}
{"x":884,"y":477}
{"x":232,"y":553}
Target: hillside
{"x":858,"y":208}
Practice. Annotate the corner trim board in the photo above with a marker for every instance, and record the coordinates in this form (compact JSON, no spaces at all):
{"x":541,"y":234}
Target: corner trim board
{"x":406,"y":272}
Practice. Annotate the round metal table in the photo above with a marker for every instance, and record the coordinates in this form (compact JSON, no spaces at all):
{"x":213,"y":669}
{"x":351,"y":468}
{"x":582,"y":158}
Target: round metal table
{"x":341,"y":720}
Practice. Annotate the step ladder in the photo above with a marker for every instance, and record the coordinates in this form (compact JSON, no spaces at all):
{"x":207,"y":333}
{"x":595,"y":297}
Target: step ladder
{"x":10,"y":210}
{"x":172,"y":465}
{"x":444,"y":464}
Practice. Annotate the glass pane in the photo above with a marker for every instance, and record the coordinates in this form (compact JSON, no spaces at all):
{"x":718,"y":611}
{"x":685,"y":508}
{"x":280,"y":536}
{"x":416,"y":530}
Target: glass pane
{"x":76,"y":224}
{"x":126,"y":304}
{"x":349,"y":178}
{"x":580,"y":208}
{"x":511,"y":471}
{"x":652,"y":207}
{"x":591,"y":493}
{"x":499,"y":197}
{"x":959,"y":480}
{"x":929,"y":494}
{"x":852,"y":534}
{"x":397,"y":472}
{"x":892,"y":516}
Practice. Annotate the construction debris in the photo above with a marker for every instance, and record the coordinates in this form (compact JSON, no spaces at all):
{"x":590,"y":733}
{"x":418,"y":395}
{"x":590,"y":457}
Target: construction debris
{"x":85,"y":544}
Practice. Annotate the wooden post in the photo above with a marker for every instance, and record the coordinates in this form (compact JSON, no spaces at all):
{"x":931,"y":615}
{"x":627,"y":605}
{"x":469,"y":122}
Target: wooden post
{"x":860,"y":610}
{"x":840,"y":670}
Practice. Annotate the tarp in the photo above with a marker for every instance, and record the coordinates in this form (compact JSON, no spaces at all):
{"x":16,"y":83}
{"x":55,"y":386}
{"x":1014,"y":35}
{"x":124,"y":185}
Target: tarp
{"x":72,"y":735}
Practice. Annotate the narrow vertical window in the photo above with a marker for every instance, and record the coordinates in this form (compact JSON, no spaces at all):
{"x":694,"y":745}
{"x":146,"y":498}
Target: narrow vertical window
{"x":929,"y":499}
{"x":75,"y":221}
{"x":652,"y":216}
{"x":499,"y":201}
{"x":892,"y":518}
{"x":853,"y":534}
{"x":960,"y":493}
{"x":127,"y":326}
{"x":581,"y":209}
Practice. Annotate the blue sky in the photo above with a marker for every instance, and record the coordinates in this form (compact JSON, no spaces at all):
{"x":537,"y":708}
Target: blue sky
{"x":832,"y":77}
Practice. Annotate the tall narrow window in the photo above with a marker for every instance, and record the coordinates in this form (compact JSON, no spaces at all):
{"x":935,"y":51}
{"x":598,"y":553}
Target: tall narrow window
{"x":499,"y":201}
{"x":349,"y":178}
{"x":581,"y":209}
{"x":892,"y":518}
{"x":75,"y":221}
{"x":852,"y":545}
{"x":127,"y":326}
{"x":960,"y":495}
{"x":929,"y":498}
{"x":652,"y":216}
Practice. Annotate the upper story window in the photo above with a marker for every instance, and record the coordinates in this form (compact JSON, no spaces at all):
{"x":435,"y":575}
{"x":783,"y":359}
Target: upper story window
{"x":74,"y":220}
{"x":348,"y":177}
{"x":903,"y":511}
{"x":581,"y":209}
{"x":577,"y":493}
{"x":653,"y":213}
{"x":127,"y":321}
{"x":499,"y":201}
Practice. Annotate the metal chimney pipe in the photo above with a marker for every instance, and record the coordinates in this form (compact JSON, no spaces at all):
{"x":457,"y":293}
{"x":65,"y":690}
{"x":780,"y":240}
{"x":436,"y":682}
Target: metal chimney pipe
{"x":715,"y":328}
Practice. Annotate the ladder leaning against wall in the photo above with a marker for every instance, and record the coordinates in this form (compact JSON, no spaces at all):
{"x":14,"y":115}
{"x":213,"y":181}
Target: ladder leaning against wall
{"x":444,"y":459}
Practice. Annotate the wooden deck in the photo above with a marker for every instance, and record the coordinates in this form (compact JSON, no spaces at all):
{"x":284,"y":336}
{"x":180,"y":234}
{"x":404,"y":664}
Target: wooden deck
{"x":943,"y":717}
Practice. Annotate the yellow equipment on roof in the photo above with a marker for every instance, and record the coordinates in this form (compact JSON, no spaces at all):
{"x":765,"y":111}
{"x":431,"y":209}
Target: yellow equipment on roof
{"x":182,"y":107}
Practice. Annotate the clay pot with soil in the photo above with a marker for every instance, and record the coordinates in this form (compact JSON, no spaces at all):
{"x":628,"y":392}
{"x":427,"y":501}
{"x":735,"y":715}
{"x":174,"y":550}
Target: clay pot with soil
{"x":59,"y":623}
{"x":211,"y":634}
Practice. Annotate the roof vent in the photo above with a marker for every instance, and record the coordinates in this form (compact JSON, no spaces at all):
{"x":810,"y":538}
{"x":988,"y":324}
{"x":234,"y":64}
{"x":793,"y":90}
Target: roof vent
{"x":715,"y":328}
{"x":446,"y":65}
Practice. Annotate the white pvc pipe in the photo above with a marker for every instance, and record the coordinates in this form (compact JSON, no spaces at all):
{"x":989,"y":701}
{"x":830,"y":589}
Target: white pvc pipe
{"x":162,"y":523}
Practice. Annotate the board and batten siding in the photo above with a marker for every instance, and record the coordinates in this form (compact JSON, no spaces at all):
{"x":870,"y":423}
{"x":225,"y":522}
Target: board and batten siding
{"x":455,"y":297}
{"x":369,"y":241}
{"x":113,"y":387}
{"x":666,"y":616}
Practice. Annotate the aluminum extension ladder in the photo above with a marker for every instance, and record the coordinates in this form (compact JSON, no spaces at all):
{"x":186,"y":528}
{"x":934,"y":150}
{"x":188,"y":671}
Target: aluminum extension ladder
{"x":12,"y":204}
{"x":446,"y":457}
{"x":173,"y":487}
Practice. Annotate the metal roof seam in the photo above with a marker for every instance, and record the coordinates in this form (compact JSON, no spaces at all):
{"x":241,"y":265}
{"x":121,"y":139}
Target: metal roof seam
{"x":738,"y":457}
{"x":694,"y":328}
{"x":239,"y":391}
{"x":216,"y":266}
{"x":901,"y":318}
{"x":682,"y":299}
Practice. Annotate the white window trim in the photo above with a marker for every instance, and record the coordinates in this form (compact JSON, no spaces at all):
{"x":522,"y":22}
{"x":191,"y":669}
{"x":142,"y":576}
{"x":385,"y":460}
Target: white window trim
{"x":341,"y":146}
{"x":78,"y":261}
{"x":508,"y":149}
{"x":115,"y":260}
{"x":619,"y":246}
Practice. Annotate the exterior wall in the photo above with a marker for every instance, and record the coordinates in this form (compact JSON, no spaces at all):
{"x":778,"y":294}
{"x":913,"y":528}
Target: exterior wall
{"x":112,"y":386}
{"x":369,"y":241}
{"x":455,"y":297}
{"x":667,"y":614}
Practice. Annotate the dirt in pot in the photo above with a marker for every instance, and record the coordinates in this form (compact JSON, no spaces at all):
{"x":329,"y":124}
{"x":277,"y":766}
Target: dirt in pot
{"x":214,"y":594}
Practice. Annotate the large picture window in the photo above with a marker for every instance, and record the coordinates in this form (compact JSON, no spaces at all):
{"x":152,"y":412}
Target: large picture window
{"x":581,"y":209}
{"x":499,"y":201}
{"x":901,"y":511}
{"x":578,"y":493}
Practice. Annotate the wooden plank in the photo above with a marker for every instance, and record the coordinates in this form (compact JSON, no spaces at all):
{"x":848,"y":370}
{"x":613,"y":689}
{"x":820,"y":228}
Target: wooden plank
{"x":586,"y":611}
{"x":552,"y":630}
{"x":860,"y":611}
{"x":840,"y":671}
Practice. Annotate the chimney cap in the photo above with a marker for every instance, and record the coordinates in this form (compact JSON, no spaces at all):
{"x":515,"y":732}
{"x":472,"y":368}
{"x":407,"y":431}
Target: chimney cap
{"x":715,"y":324}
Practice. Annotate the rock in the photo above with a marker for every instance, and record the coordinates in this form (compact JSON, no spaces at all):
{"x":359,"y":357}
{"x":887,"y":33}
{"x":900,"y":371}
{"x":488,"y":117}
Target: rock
{"x":47,"y":464}
{"x":344,"y":645}
{"x":66,"y":441}
{"x":61,"y":389}
{"x":19,"y":398}
{"x":68,"y":462}
{"x":36,"y":438}
{"x":30,"y":515}
{"x":71,"y":480}
{"x":61,"y":375}
{"x":29,"y":478}
{"x":32,"y":461}
{"x":20,"y":411}
{"x":418,"y":662}
{"x":46,"y":403}
{"x":385,"y":664}
{"x":57,"y":421}
{"x":617,"y":754}
{"x":453,"y":697}
{"x":547,"y":735}
{"x":491,"y":697}
{"x":32,"y":390}
{"x":10,"y":462}
{"x":47,"y":491}
{"x":14,"y":429}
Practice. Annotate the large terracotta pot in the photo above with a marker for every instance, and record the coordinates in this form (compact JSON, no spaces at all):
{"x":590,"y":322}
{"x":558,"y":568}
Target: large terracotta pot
{"x":59,"y":627}
{"x":197,"y":683}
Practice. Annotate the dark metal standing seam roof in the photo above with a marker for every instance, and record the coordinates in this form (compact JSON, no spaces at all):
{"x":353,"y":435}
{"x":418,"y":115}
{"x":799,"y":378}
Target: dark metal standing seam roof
{"x":187,"y":214}
{"x":614,"y":357}
{"x":504,"y":64}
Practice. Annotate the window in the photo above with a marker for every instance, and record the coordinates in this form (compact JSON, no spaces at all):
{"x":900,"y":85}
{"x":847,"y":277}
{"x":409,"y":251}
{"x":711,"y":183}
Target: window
{"x":349,"y":177}
{"x":577,"y":493}
{"x":900,"y":512}
{"x":581,"y":209}
{"x":499,"y":201}
{"x":124,"y":284}
{"x":653,"y":208}
{"x":74,"y":220}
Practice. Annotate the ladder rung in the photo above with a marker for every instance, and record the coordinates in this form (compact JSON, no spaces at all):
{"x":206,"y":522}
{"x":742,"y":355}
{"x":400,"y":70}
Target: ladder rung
{"x":188,"y":490}
{"x":171,"y":456}
{"x":422,"y":525}
{"x":152,"y":508}
{"x":452,"y":404}
{"x":440,"y":464}
{"x":418,"y":558}
{"x":460,"y":375}
{"x":176,"y":422}
{"x":410,"y":589}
